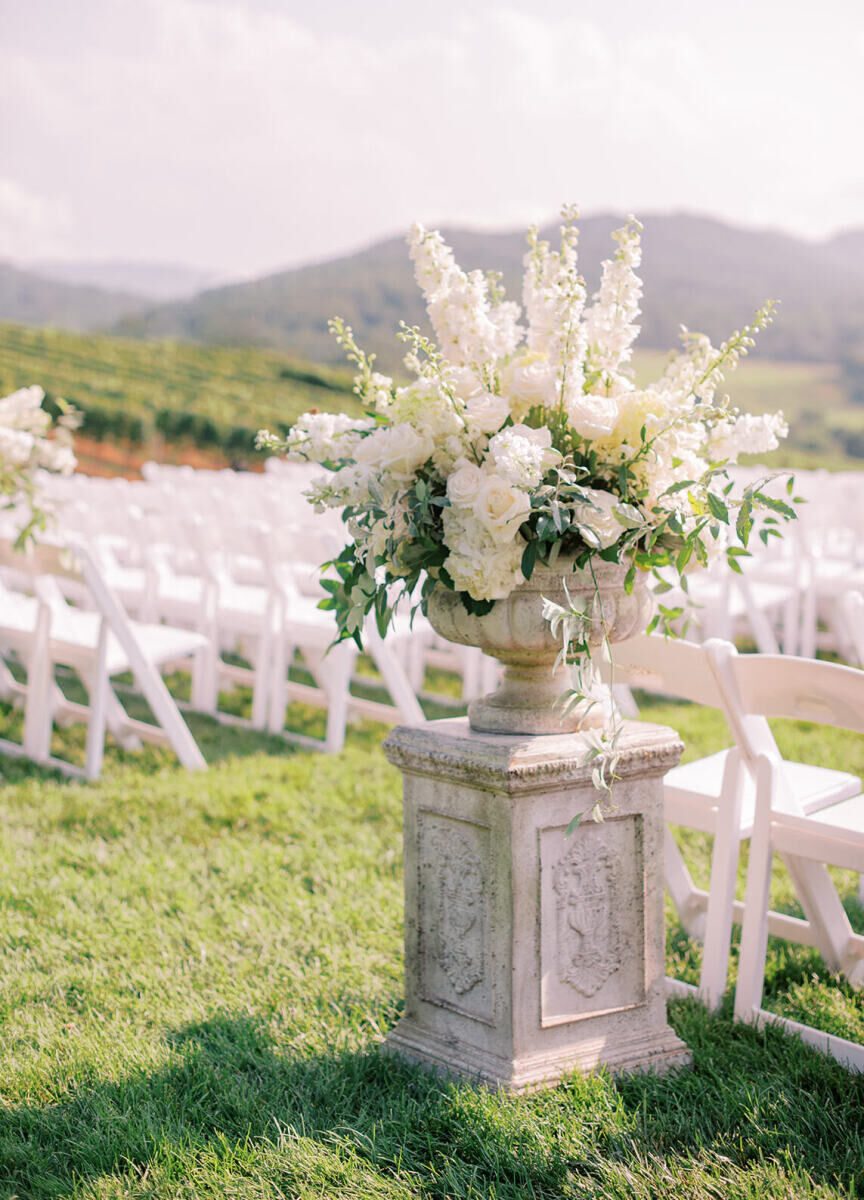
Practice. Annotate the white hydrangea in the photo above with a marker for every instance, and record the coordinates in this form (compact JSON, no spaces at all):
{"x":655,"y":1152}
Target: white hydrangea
{"x":478,"y":563}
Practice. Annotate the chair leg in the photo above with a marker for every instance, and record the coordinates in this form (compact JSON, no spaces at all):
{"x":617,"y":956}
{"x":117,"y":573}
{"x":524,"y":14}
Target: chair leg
{"x":721,"y":896}
{"x":39,"y":706}
{"x":754,"y":927}
{"x":96,"y":726}
{"x":682,"y":889}
{"x":283,"y":655}
{"x":336,"y":671}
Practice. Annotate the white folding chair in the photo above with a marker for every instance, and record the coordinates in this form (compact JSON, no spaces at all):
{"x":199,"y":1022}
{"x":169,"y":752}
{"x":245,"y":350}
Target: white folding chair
{"x":305,"y":627}
{"x":98,"y":643}
{"x":715,"y":794}
{"x":833,"y":834}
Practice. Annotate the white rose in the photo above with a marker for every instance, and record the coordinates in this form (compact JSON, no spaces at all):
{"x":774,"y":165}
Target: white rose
{"x":486,"y":412}
{"x":599,"y":517}
{"x":527,"y":382}
{"x":593,"y":416}
{"x":464,"y":484}
{"x":464,"y":382}
{"x":399,"y":450}
{"x":501,"y":507}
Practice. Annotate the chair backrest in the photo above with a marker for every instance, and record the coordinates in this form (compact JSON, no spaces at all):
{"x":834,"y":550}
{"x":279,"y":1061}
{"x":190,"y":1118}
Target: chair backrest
{"x":689,"y":671}
{"x":801,"y":689}
{"x":670,"y":666}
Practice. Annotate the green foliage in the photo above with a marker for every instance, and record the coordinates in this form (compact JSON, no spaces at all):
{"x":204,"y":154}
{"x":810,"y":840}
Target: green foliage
{"x":197,"y":971}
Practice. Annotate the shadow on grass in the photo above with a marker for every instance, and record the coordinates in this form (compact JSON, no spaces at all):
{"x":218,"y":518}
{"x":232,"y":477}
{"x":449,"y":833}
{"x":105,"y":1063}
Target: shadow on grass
{"x":750,"y":1098}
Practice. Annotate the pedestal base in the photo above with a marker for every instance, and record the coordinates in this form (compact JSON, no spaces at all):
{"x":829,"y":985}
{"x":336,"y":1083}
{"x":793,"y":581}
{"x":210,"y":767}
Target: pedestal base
{"x":530,"y":953}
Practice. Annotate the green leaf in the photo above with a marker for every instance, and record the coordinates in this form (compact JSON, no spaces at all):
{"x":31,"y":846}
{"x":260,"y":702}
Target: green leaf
{"x":630,"y":579}
{"x":779,"y":506}
{"x":744,"y":522}
{"x":683,"y":557}
{"x":679,"y":487}
{"x":717,"y":508}
{"x":529,"y":558}
{"x":574,"y":824}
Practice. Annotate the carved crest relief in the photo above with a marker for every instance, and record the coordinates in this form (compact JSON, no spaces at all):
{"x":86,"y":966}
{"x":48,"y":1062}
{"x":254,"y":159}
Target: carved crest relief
{"x":589,"y":939}
{"x":460,"y":911}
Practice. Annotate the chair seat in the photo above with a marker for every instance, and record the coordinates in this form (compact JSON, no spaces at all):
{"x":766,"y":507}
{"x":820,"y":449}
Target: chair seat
{"x":845,"y":818}
{"x":692,"y":791}
{"x":75,"y":636}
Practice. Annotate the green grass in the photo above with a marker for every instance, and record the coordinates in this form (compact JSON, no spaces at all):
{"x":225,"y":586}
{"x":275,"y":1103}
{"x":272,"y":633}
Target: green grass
{"x":197,"y":969}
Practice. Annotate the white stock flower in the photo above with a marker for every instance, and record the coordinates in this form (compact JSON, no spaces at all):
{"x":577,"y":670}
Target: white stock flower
{"x":746,"y":434}
{"x":522,"y":455}
{"x":468,"y":328}
{"x":321,"y":437}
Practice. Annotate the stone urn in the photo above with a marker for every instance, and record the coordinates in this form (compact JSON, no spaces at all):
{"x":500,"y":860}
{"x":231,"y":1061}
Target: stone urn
{"x":532,"y":696}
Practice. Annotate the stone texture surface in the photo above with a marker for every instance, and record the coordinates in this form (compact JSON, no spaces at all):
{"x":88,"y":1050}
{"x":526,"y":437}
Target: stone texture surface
{"x":530,"y":698}
{"x":528,"y":952}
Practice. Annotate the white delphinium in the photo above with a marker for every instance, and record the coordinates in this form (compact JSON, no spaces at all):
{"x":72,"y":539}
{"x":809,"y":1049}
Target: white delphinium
{"x":468,"y":328}
{"x":610,"y":321}
{"x":554,"y":298}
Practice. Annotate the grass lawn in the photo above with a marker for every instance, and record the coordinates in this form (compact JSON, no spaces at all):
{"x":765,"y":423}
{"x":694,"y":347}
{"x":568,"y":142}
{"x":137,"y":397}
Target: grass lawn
{"x":196,"y":971}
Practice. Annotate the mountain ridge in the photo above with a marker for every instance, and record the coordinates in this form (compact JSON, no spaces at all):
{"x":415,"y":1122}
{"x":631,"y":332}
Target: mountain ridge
{"x":698,"y":271}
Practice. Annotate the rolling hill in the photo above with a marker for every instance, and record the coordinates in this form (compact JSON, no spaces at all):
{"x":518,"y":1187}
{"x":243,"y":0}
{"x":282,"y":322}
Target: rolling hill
{"x":31,"y":299}
{"x":697,"y":271}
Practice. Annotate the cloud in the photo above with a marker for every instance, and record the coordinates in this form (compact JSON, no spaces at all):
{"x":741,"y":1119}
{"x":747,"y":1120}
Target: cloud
{"x":244,"y":136}
{"x":31,"y":226}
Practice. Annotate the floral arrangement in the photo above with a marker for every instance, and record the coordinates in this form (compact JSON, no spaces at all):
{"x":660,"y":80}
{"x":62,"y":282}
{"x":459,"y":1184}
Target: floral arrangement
{"x":519,"y":440}
{"x":25,"y":447}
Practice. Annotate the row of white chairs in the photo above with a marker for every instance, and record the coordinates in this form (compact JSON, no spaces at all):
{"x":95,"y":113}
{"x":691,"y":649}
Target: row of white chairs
{"x":94,"y":638}
{"x":810,"y":815}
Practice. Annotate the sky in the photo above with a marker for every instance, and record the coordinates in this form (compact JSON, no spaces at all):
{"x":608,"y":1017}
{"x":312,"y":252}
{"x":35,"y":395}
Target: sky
{"x":242,"y":136}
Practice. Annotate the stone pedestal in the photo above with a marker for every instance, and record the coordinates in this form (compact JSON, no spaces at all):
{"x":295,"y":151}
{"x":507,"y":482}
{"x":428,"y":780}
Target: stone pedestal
{"x":529,"y":953}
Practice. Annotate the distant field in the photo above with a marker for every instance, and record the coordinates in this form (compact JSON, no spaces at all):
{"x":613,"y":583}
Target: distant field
{"x":146,"y":399}
{"x":141,"y":394}
{"x":823,"y":426}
